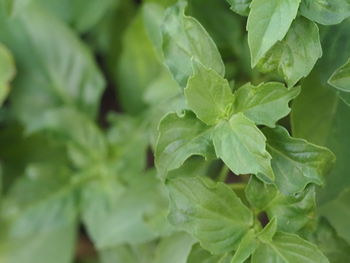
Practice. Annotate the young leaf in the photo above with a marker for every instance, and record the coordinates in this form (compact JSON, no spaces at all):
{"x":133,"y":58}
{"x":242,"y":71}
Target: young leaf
{"x":295,"y":162}
{"x":210,"y":211}
{"x":268,"y":22}
{"x":208,"y":94}
{"x":325,"y":12}
{"x":287,"y":248}
{"x":240,"y":6}
{"x":7,"y":71}
{"x":185,"y":39}
{"x":264,"y":104}
{"x":241,"y":145}
{"x":294,"y":56}
{"x":337,"y":213}
{"x":341,"y":78}
{"x":179,"y":138}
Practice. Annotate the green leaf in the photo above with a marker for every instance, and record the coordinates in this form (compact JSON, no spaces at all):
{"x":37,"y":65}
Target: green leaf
{"x":240,"y":6}
{"x":84,"y":139}
{"x":334,"y":247}
{"x":325,"y":12}
{"x":245,"y":248}
{"x":7,"y":71}
{"x":241,"y":145}
{"x":341,"y":78}
{"x":264,"y":104}
{"x":204,"y":88}
{"x":288,"y":248}
{"x":337,"y":213}
{"x":199,"y":255}
{"x":210,"y":211}
{"x":179,"y":138}
{"x":295,"y":162}
{"x":115,"y":214}
{"x":174,"y":249}
{"x":79,"y":14}
{"x":293,"y":212}
{"x":184,"y":40}
{"x":259,"y":194}
{"x":38,"y":217}
{"x":294,"y":57}
{"x":318,"y":116}
{"x":137,"y":67}
{"x":58,"y":71}
{"x":128,"y":254}
{"x":268,"y":22}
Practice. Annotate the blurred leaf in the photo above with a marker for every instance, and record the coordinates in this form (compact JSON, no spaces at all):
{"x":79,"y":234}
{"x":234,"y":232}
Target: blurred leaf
{"x":7,"y":71}
{"x":326,"y":12}
{"x":318,"y":116}
{"x":58,"y":71}
{"x":174,"y":249}
{"x":337,"y":213}
{"x":341,"y":78}
{"x":38,"y":223}
{"x":181,"y":35}
{"x":137,"y":67}
{"x":335,"y":248}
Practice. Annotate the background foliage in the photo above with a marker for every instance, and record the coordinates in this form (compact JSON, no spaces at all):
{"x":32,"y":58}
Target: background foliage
{"x":174,"y":131}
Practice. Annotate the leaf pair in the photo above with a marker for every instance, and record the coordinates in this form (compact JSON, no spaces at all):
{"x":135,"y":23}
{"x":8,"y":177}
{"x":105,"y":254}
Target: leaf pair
{"x":215,"y":216}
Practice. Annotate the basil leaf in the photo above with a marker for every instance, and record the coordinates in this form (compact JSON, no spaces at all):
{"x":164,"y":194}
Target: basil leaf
{"x":210,"y":211}
{"x":264,"y":104}
{"x":179,"y":138}
{"x":241,"y":145}
{"x":321,"y":121}
{"x":325,"y":12}
{"x":341,"y":78}
{"x":59,"y":70}
{"x":38,"y":223}
{"x":174,"y":249}
{"x":240,"y":6}
{"x":294,"y":57}
{"x":288,"y":248}
{"x":337,"y":213}
{"x":206,"y":87}
{"x":181,"y":36}
{"x":295,"y":162}
{"x":268,"y":22}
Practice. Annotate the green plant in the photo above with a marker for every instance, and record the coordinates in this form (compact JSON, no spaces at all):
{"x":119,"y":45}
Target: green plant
{"x":244,"y":105}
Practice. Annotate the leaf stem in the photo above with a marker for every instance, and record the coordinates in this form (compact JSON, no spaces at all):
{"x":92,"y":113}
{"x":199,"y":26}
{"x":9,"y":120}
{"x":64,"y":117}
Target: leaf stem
{"x":223,"y":174}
